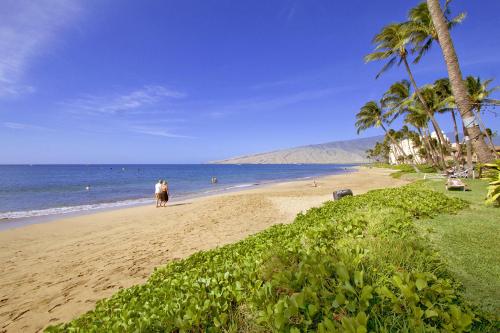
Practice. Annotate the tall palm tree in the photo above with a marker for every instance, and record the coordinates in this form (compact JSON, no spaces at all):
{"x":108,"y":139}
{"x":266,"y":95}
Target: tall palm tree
{"x":399,"y":100}
{"x":372,"y":115}
{"x":443,"y":91}
{"x":423,"y":33}
{"x":396,"y":99}
{"x":381,"y":150}
{"x":440,"y":100}
{"x":398,"y":136}
{"x":458,"y":86}
{"x":419,"y":119}
{"x":406,"y":134}
{"x":391,"y":43}
{"x":479,"y":93}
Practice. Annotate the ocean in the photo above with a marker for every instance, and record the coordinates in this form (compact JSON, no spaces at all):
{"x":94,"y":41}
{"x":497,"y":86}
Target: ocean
{"x":28,"y":191}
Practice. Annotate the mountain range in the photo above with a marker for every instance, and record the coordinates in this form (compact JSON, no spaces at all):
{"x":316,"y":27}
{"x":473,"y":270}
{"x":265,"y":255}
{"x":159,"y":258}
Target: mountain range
{"x":348,"y":151}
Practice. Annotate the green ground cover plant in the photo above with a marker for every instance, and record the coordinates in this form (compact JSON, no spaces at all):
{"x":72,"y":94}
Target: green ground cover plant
{"x":353,"y":265}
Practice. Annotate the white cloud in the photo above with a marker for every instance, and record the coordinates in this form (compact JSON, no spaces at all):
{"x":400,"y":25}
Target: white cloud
{"x":22,"y":126}
{"x":118,"y":103}
{"x":27,"y":28}
{"x":158,"y":131}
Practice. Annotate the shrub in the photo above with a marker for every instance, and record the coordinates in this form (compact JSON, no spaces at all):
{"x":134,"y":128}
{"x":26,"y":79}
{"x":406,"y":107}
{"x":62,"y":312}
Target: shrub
{"x":493,"y":195}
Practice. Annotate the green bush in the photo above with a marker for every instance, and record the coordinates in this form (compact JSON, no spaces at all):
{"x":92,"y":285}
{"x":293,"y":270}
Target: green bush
{"x":403,"y":169}
{"x":355,"y":265}
{"x":493,"y":195}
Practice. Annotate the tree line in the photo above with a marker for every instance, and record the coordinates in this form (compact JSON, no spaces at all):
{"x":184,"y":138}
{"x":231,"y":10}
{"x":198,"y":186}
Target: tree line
{"x":463,"y":99}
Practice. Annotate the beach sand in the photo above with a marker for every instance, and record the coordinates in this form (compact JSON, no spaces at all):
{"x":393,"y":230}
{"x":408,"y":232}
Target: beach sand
{"x":55,"y":271}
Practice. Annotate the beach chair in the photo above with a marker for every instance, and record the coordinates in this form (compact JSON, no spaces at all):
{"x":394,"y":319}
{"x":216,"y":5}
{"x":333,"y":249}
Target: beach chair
{"x":455,"y":184}
{"x":464,"y":173}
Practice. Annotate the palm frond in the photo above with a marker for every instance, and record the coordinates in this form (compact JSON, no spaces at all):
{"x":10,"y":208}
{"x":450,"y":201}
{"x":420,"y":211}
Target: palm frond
{"x":387,"y":66}
{"x":377,"y":56}
{"x":456,"y":20}
{"x":491,"y":101}
{"x":423,"y":50}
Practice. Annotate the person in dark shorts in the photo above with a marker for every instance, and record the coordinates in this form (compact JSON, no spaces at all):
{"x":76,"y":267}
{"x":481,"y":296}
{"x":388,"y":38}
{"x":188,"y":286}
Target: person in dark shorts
{"x":164,"y":194}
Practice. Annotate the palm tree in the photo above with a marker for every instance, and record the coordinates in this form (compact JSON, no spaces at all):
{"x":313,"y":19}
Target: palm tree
{"x":439,"y":99}
{"x":381,"y":151}
{"x":419,"y":119}
{"x":396,"y":99}
{"x":372,"y":115}
{"x":457,"y":83}
{"x":479,"y":93}
{"x":406,"y":134}
{"x":391,"y":43}
{"x":443,"y":91}
{"x":398,"y":136}
{"x":423,"y":33}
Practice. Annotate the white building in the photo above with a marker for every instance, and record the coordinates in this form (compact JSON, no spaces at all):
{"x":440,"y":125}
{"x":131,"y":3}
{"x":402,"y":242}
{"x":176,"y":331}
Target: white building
{"x":409,"y":148}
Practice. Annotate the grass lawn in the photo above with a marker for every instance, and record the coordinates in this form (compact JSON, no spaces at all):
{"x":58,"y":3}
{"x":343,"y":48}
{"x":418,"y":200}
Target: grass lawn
{"x":469,"y":242}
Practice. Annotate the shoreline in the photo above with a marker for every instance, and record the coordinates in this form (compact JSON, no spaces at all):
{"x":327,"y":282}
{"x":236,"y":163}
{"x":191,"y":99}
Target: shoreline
{"x":14,"y":223}
{"x":52,"y":272}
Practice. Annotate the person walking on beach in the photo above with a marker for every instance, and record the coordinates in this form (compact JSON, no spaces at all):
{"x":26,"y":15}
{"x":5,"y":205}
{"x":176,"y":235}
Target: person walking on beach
{"x":164,"y":194}
{"x":158,"y":193}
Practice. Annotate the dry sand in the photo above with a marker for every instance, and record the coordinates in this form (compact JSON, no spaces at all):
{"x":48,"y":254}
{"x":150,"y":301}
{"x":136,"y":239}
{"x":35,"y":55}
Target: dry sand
{"x":53,"y":272}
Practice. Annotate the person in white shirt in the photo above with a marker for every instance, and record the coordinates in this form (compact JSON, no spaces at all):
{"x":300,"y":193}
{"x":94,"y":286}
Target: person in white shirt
{"x":158,"y":193}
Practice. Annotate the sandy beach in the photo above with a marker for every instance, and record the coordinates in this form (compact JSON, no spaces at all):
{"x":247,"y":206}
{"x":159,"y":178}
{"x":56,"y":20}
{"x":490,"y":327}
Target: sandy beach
{"x":53,"y":272}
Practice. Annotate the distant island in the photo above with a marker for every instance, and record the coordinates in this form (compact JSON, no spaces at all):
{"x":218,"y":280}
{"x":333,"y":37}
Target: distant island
{"x":348,"y":151}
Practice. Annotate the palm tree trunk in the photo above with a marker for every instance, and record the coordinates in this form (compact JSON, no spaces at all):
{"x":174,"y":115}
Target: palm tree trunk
{"x":434,"y":122}
{"x":485,"y":132}
{"x":455,"y":127}
{"x":440,"y":145}
{"x":457,"y":83}
{"x":435,"y":155}
{"x":457,"y":140}
{"x":467,"y":146}
{"x":422,"y":141}
{"x":394,"y":142}
{"x":400,"y":148}
{"x":428,"y":150}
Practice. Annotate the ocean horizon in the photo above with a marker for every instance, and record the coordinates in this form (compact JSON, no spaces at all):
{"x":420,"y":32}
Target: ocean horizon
{"x":52,"y":190}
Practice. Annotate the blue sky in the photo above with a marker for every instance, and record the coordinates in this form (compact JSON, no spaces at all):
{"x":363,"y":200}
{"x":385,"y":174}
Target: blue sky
{"x":192,"y":81}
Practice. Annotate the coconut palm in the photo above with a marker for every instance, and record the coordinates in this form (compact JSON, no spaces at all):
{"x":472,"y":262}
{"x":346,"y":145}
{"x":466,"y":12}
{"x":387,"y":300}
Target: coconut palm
{"x":479,"y":93}
{"x":396,"y":99}
{"x":372,"y":115}
{"x":443,"y":91}
{"x":381,"y":151}
{"x":406,"y":134}
{"x":391,"y":43}
{"x":419,"y":119}
{"x":423,"y":33}
{"x":459,"y":88}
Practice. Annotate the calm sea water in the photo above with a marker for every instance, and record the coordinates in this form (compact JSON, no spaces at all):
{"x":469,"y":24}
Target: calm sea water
{"x":41,"y":190}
